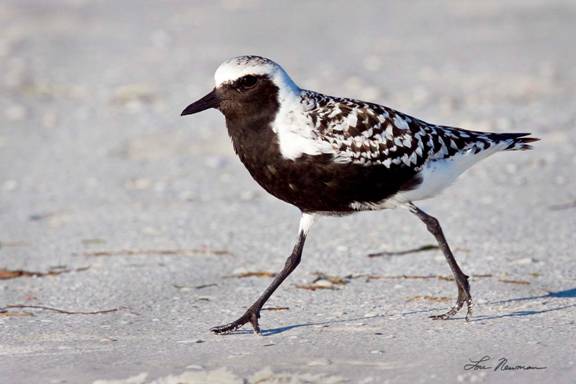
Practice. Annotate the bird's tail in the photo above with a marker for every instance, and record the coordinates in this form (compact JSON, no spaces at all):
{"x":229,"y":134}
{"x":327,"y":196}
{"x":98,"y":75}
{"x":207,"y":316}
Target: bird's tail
{"x":514,"y":141}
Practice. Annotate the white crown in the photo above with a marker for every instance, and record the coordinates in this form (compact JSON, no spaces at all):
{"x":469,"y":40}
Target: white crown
{"x":236,"y":67}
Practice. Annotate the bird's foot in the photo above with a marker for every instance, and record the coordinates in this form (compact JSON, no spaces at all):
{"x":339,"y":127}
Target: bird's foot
{"x":251,"y":316}
{"x":463,"y":298}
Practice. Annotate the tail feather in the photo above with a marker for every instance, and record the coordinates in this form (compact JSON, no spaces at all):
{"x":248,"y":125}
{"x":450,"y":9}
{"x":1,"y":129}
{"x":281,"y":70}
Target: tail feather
{"x":515,"y":141}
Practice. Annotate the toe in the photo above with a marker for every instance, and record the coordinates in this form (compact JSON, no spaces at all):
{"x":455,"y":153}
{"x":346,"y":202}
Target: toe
{"x":224,"y":329}
{"x":254,"y":321}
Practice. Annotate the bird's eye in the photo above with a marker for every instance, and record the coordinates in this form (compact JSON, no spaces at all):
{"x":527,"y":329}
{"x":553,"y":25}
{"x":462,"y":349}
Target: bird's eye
{"x":246,"y":82}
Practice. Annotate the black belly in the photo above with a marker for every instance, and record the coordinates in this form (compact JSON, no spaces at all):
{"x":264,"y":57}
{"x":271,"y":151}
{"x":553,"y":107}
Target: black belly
{"x":313,"y":183}
{"x":316,"y":183}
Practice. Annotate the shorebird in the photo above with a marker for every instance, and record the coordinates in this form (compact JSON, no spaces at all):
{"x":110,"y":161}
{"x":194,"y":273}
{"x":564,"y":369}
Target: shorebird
{"x":335,"y":156}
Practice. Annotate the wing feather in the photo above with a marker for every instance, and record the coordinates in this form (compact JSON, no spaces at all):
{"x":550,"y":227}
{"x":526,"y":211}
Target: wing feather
{"x":372,"y":134}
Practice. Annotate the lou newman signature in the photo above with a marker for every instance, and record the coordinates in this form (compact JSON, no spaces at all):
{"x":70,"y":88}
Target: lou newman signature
{"x":502,"y":364}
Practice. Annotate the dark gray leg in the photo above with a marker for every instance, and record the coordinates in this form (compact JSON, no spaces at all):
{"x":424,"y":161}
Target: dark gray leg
{"x":253,"y":313}
{"x":461,"y":279}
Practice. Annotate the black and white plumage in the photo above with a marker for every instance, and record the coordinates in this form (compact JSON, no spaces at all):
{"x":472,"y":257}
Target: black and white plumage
{"x":331,"y":155}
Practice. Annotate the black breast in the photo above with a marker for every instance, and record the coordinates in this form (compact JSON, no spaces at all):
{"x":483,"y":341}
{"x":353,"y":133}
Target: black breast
{"x":312,"y":183}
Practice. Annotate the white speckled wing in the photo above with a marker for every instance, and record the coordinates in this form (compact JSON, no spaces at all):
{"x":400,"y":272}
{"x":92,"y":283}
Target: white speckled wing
{"x":371,"y":134}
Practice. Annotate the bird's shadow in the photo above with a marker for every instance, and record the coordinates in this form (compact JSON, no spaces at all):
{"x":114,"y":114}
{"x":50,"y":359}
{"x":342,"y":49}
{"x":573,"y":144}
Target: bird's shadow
{"x":275,"y":331}
{"x":568,"y":293}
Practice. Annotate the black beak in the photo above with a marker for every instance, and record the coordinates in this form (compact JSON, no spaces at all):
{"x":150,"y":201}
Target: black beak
{"x":211,"y":100}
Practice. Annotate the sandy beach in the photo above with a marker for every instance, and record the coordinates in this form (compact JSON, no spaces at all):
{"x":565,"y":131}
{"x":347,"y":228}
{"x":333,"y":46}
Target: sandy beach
{"x":127,"y":231}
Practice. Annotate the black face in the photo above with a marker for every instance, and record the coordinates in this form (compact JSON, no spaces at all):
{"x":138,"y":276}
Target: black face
{"x":247,"y":96}
{"x":245,"y":83}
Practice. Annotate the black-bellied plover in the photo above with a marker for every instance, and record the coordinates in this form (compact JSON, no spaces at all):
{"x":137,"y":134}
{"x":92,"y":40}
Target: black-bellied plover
{"x":334,"y":156}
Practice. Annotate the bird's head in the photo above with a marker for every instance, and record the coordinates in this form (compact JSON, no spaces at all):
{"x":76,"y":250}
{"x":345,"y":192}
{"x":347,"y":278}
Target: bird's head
{"x":246,"y":85}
